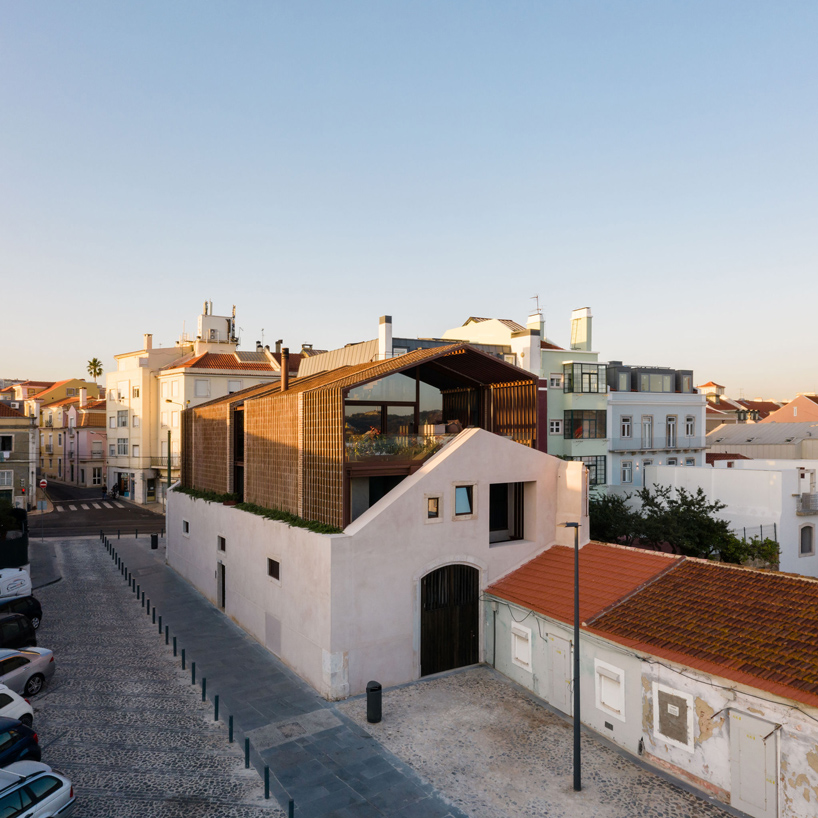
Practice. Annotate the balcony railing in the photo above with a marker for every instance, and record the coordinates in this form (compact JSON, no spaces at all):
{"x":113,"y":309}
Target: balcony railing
{"x":49,"y":448}
{"x":640,"y":443}
{"x":392,"y":448}
{"x":161,"y":461}
{"x":806,"y":504}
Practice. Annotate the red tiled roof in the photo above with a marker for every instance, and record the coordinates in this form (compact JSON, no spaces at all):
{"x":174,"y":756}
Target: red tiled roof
{"x":63,"y":402}
{"x":763,"y":407}
{"x":295,"y":360}
{"x":712,"y":457}
{"x":8,"y":388}
{"x":101,"y":403}
{"x":7,"y":412}
{"x":752,"y":627}
{"x":214,"y":360}
{"x":512,"y":325}
{"x":607,"y":573}
{"x":710,"y":410}
{"x":549,"y":345}
{"x":711,"y":383}
{"x":92,"y":419}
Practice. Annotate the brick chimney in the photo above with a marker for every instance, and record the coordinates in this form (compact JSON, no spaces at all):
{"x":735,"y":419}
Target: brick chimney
{"x":385,"y":337}
{"x":147,"y":340}
{"x":285,"y":369}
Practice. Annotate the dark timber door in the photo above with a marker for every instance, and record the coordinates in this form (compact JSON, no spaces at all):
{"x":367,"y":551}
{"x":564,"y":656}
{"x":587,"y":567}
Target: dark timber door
{"x":448,"y":618}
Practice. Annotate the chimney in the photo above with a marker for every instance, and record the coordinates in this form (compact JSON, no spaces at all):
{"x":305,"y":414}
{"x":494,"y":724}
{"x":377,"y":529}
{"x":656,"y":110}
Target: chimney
{"x":385,"y":337}
{"x":278,"y":346}
{"x":83,"y":397}
{"x":581,"y":329}
{"x":285,"y":369}
{"x":147,"y":340}
{"x":259,"y":347}
{"x":535,"y":322}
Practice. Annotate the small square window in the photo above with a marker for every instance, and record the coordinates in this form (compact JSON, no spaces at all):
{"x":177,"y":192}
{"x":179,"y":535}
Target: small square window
{"x":135,"y":392}
{"x":554,"y":427}
{"x":610,"y":689}
{"x":690,"y":461}
{"x":273,"y":569}
{"x":521,"y":646}
{"x":463,"y":505}
{"x":672,"y":461}
{"x":433,"y":507}
{"x":221,"y":543}
{"x":186,"y":528}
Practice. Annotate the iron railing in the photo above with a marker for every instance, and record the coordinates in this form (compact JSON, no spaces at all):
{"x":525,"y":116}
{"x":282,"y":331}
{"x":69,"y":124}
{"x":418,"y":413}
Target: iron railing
{"x":387,"y":448}
{"x":161,"y":461}
{"x":806,"y":504}
{"x":643,"y":443}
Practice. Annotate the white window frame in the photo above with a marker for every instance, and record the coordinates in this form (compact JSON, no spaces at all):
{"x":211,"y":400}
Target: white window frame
{"x":122,"y":390}
{"x":112,"y":450}
{"x":626,"y":472}
{"x":96,"y":475}
{"x":690,"y":461}
{"x":122,"y":446}
{"x":231,"y":386}
{"x":163,"y":419}
{"x":455,"y":487}
{"x":603,"y":670}
{"x":690,"y":426}
{"x":112,"y":422}
{"x":521,"y":646}
{"x":434,"y":520}
{"x":7,"y":479}
{"x":136,"y":420}
{"x":134,"y":450}
{"x":201,"y":388}
{"x":810,"y":553}
{"x":691,"y":714}
{"x":554,"y":427}
{"x":164,"y":390}
{"x":673,"y":461}
{"x":174,"y":418}
{"x":555,"y":381}
{"x":626,"y":427}
{"x":122,"y":418}
{"x":135,"y":392}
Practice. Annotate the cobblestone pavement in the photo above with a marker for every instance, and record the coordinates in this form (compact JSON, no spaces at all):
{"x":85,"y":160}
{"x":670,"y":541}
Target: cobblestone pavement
{"x":494,"y":751}
{"x":119,"y":717}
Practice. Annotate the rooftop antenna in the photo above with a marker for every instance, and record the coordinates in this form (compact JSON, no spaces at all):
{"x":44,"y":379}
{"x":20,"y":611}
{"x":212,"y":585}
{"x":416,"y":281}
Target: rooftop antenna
{"x":262,"y":336}
{"x":536,"y":299}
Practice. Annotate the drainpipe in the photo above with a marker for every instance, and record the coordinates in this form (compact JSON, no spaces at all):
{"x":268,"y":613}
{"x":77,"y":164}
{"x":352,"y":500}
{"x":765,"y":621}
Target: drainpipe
{"x":494,"y":633}
{"x":285,"y":369}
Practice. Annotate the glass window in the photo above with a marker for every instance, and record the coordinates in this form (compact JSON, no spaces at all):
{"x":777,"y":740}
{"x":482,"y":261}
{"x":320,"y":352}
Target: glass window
{"x":122,"y":445}
{"x":624,"y":381}
{"x":807,"y":540}
{"x":596,"y":466}
{"x":135,"y":450}
{"x":400,"y":420}
{"x":361,"y":420}
{"x":585,"y":424}
{"x":5,"y":443}
{"x":690,"y":426}
{"x":135,"y":392}
{"x":397,"y":387}
{"x":42,"y":787}
{"x":647,"y":431}
{"x":175,"y":418}
{"x":202,"y":388}
{"x":625,"y":426}
{"x":233,"y":386}
{"x":690,"y":461}
{"x":585,"y":378}
{"x":463,"y":500}
{"x":672,"y":461}
{"x":431,"y":404}
{"x":555,"y":427}
{"x":555,"y":380}
{"x":222,"y":543}
{"x":687,"y":383}
{"x":273,"y":569}
{"x":6,"y":478}
{"x":122,"y":417}
{"x":11,"y":805}
{"x":627,"y":471}
{"x":112,"y":450}
{"x":5,"y":699}
{"x":136,"y":420}
{"x":112,"y":422}
{"x":433,"y":508}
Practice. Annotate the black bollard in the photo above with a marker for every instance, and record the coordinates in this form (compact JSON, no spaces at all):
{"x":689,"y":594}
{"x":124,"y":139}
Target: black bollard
{"x":374,"y":695}
{"x":204,"y":688}
{"x":266,"y":781}
{"x":216,"y":707}
{"x":247,"y":754}
{"x":230,"y":730}
{"x":183,"y":657}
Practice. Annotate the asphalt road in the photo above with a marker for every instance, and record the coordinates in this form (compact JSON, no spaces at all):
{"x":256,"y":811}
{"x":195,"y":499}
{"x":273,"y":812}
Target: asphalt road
{"x":83,"y":513}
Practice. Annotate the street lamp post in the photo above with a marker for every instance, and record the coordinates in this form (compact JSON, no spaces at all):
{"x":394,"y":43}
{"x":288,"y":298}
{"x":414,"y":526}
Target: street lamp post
{"x":577,"y":721}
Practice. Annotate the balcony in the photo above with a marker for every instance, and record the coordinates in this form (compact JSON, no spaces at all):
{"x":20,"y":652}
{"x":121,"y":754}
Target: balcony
{"x":49,"y":448}
{"x":806,"y":504}
{"x":161,"y":461}
{"x":392,"y":448}
{"x":656,"y":443}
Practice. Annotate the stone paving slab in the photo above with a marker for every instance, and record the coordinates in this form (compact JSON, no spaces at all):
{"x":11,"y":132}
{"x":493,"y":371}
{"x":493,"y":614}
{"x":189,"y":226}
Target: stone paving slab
{"x":316,"y":755}
{"x":495,"y":751}
{"x":119,"y":717}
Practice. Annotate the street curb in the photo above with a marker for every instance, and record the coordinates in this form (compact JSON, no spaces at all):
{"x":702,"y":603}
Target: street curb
{"x":46,"y":584}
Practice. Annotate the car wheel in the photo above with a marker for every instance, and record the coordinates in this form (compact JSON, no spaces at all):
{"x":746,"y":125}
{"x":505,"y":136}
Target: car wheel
{"x":34,"y":685}
{"x":35,"y":622}
{"x":27,"y":719}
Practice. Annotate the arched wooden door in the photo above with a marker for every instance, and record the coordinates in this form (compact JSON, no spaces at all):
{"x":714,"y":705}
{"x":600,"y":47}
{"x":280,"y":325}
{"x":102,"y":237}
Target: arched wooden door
{"x":449,"y":618}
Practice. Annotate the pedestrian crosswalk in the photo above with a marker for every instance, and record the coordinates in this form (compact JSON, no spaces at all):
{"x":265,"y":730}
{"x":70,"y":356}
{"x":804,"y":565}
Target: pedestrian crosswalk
{"x":86,"y":507}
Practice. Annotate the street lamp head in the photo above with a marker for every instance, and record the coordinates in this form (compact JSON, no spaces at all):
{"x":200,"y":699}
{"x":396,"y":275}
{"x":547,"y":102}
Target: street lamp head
{"x":571,"y":525}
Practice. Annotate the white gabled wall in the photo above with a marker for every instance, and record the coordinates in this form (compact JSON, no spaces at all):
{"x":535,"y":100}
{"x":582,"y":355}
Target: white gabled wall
{"x":346,"y":609}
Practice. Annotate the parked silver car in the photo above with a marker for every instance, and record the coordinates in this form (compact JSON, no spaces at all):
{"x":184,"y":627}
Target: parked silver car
{"x":26,"y":670}
{"x":31,"y":789}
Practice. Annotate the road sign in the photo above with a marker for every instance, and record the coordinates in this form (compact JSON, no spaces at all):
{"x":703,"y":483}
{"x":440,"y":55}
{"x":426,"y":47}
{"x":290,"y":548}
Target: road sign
{"x":43,"y":483}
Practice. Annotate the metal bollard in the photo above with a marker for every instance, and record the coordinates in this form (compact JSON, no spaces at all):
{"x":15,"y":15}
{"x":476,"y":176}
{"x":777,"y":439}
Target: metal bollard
{"x":136,"y":533}
{"x":247,"y":754}
{"x":193,"y":673}
{"x":160,"y":623}
{"x":118,"y":533}
{"x":183,"y":657}
{"x":291,"y":809}
{"x":266,"y":781}
{"x":148,"y":611}
{"x":230,"y":730}
{"x":167,"y":633}
{"x":143,"y":599}
{"x":373,"y":702}
{"x":216,"y":707}
{"x":204,"y":689}
{"x":174,"y":646}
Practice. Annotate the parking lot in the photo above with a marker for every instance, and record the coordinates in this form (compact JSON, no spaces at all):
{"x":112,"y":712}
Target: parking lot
{"x":119,"y":717}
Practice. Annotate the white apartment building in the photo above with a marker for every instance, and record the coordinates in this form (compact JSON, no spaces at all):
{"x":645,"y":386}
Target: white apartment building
{"x":152,"y":386}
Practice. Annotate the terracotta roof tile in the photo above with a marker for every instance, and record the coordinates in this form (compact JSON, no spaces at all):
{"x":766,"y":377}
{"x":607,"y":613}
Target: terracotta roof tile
{"x":607,"y":573}
{"x":6,"y":411}
{"x":753,"y":627}
{"x":712,"y":457}
{"x":214,"y":360}
{"x":549,"y":345}
{"x":512,"y":325}
{"x":92,"y":419}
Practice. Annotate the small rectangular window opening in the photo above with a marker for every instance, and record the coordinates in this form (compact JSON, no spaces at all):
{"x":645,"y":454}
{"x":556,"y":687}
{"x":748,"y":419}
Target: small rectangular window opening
{"x":221,"y":543}
{"x":463,"y":500}
{"x":185,"y":527}
{"x":273,"y":568}
{"x":433,"y":507}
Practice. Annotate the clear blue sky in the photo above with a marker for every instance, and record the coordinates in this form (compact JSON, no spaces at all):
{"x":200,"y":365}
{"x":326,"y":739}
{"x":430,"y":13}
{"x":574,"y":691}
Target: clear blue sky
{"x":320,"y":164}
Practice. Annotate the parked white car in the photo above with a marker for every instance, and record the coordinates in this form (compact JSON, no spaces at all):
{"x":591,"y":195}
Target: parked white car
{"x":13,"y":706}
{"x":31,"y":789}
{"x":25,"y":671}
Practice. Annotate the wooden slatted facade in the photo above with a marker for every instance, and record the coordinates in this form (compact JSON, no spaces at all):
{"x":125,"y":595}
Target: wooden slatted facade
{"x":294,"y":455}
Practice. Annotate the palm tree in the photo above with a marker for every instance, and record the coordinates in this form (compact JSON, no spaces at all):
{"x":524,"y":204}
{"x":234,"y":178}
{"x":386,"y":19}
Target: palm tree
{"x":95,"y":368}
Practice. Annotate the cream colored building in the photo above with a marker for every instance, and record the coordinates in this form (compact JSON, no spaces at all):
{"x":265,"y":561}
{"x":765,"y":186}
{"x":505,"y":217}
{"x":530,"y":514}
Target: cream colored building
{"x":153,"y":385}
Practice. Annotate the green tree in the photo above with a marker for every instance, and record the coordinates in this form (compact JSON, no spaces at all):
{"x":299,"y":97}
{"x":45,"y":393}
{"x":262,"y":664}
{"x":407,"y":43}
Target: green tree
{"x":612,"y":519}
{"x":95,"y":368}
